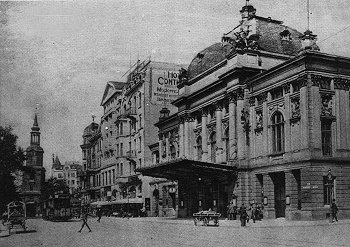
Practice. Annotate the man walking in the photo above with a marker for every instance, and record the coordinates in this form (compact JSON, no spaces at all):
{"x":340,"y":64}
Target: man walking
{"x":243,"y":215}
{"x":334,"y":209}
{"x":84,"y":218}
{"x":99,"y":214}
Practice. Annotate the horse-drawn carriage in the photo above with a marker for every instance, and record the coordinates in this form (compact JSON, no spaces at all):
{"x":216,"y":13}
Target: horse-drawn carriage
{"x":16,"y":214}
{"x":206,"y":217}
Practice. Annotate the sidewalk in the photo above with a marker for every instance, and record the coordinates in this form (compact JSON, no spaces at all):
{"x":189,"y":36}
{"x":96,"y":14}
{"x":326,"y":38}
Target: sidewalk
{"x":268,"y":223}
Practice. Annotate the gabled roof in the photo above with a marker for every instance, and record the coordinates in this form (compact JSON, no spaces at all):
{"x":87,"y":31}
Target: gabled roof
{"x":112,"y":87}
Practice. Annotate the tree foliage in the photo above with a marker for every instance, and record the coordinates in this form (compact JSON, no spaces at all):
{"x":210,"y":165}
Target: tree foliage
{"x":11,"y":160}
{"x":54,"y":186}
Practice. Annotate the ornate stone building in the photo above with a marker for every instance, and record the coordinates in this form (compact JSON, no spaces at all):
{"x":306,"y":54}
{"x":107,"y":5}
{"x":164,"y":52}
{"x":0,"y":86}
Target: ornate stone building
{"x":262,"y":117}
{"x":33,"y":178}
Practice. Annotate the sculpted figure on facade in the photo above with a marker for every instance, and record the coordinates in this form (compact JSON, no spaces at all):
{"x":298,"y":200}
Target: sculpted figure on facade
{"x":327,"y":105}
{"x":259,"y":120}
{"x":295,"y":107}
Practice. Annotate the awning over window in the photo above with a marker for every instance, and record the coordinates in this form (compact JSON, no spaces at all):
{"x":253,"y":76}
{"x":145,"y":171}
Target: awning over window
{"x":180,"y":169}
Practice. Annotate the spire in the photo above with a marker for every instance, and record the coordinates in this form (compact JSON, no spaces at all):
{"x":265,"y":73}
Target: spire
{"x":308,"y":38}
{"x":35,"y":124}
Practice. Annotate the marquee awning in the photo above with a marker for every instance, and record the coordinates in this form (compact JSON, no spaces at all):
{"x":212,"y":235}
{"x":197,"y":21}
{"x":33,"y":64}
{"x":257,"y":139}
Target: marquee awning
{"x":119,"y":201}
{"x":180,"y":169}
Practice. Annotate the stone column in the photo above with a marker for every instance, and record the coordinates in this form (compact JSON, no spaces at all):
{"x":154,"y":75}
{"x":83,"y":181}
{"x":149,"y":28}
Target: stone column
{"x":204,"y":135}
{"x":160,"y":143}
{"x":219,"y":150}
{"x":269,"y":193}
{"x":181,"y":138}
{"x":186,"y":137}
{"x":241,"y":135}
{"x":232,"y":126}
{"x":167,"y":146}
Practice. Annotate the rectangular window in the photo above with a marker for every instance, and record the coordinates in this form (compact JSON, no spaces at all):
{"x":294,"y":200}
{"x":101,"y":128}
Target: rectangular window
{"x":140,"y":122}
{"x":140,"y":99}
{"x":121,"y":149}
{"x":73,"y":182}
{"x":140,"y":144}
{"x":113,"y":176}
{"x":121,"y":169}
{"x":326,"y":135}
{"x":277,"y":93}
{"x":121,"y":129}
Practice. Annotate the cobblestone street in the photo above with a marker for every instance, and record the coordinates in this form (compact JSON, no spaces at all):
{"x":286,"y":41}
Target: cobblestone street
{"x":175,"y":232}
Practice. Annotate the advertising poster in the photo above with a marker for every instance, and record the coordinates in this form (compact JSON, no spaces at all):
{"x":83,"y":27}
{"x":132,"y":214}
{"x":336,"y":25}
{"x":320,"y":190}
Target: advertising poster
{"x":164,"y":86}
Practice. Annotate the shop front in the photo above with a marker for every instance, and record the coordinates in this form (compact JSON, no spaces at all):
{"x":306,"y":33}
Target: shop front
{"x":199,"y":185}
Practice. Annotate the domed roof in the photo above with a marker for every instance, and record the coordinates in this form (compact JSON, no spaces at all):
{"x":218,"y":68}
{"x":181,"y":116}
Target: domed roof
{"x":268,"y":35}
{"x":89,"y":130}
{"x":208,"y":58}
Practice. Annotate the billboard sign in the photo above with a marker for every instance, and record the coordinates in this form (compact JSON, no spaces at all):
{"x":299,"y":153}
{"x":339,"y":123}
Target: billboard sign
{"x":164,"y":86}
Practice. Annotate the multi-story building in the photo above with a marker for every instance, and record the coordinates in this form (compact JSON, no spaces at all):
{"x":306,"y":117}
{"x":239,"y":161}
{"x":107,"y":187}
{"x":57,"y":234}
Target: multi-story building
{"x":68,"y":172}
{"x":91,"y":162}
{"x":127,"y":126}
{"x":33,"y":178}
{"x":262,"y":117}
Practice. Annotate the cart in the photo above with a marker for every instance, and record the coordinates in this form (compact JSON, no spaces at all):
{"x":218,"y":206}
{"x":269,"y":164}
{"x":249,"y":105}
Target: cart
{"x":206,"y":217}
{"x":16,"y":214}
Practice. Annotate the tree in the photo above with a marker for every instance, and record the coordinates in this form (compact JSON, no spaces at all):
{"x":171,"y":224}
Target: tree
{"x":54,"y":186}
{"x":11,"y":161}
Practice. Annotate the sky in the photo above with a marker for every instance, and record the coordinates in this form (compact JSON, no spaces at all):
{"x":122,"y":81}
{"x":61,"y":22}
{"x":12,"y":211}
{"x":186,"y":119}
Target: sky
{"x":57,"y":56}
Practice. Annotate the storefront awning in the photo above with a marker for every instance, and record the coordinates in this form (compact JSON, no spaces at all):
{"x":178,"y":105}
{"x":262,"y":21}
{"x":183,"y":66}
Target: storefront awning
{"x":119,"y":201}
{"x":180,"y":169}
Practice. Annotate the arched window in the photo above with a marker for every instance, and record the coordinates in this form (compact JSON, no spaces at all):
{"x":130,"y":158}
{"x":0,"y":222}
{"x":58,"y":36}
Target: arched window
{"x":227,"y":144}
{"x":199,"y":148}
{"x":277,"y":132}
{"x":213,"y":147}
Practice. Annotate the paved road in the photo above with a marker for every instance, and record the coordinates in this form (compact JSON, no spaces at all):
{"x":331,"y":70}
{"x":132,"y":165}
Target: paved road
{"x":175,"y":232}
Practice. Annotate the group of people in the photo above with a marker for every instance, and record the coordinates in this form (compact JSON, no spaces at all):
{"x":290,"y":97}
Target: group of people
{"x":256,"y":212}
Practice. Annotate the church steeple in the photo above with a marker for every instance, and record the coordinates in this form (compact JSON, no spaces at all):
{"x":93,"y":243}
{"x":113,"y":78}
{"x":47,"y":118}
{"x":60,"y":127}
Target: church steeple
{"x":35,"y":133}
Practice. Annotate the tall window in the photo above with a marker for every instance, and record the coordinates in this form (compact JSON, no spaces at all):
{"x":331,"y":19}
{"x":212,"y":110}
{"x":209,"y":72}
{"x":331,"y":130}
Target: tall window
{"x":326,"y":135}
{"x":199,"y":148}
{"x":227,"y":144}
{"x":213,"y":147}
{"x":278,"y":132}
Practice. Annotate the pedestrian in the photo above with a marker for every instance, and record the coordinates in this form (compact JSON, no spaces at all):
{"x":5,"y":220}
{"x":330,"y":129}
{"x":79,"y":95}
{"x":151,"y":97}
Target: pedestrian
{"x":243,"y":214}
{"x":254,"y":212}
{"x":334,"y":209}
{"x":84,"y":217}
{"x":99,"y":214}
{"x":231,"y":211}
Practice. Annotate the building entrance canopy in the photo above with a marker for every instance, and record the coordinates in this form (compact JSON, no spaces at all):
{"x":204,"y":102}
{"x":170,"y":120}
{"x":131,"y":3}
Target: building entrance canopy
{"x":183,"y":169}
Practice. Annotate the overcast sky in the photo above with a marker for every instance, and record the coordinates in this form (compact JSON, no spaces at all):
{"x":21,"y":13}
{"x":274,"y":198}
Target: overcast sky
{"x":58,"y":56}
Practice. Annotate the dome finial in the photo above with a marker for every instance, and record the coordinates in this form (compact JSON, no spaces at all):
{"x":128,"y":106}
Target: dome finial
{"x":248,"y":10}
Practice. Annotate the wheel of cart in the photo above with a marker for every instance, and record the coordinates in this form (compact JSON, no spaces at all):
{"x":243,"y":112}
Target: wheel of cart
{"x":216,"y":221}
{"x":205,"y":220}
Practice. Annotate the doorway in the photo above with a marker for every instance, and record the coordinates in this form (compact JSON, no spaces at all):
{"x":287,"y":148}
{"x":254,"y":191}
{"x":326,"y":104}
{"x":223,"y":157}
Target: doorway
{"x":279,"y":182}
